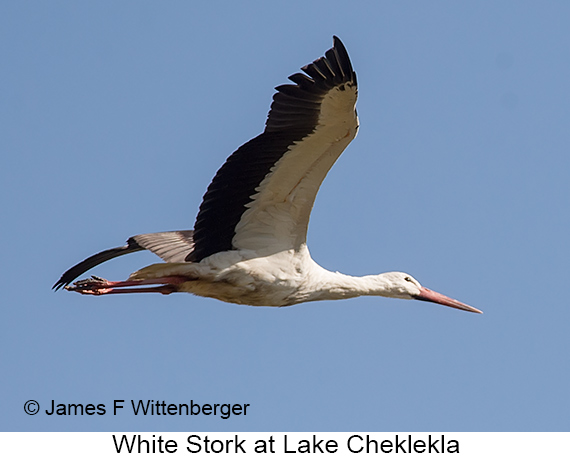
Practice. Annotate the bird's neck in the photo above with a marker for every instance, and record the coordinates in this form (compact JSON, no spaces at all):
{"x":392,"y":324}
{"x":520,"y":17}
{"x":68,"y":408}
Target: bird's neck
{"x":337,"y":286}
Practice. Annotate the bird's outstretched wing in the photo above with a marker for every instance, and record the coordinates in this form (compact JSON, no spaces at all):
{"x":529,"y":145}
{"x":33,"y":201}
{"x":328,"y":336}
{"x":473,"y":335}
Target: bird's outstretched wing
{"x":261,"y":198}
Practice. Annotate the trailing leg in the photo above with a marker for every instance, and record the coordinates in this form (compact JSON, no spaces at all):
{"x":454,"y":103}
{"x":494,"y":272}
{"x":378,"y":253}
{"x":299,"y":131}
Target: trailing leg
{"x":99,"y":286}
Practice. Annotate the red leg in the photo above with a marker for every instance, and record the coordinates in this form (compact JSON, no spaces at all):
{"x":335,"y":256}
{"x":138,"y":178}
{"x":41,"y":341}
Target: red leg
{"x":100,"y":286}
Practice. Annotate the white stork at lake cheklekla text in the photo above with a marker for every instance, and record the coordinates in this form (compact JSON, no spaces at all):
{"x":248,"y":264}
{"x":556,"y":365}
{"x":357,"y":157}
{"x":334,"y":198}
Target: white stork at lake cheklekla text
{"x":248,"y":245}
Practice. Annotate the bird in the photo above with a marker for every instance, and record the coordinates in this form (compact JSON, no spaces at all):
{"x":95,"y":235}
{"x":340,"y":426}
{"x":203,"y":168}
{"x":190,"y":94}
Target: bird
{"x":249,"y":242}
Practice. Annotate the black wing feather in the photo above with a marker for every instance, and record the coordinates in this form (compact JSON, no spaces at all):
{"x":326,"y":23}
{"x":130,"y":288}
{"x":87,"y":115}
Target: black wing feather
{"x":171,"y":246}
{"x":293,"y":115}
{"x":74,"y":272}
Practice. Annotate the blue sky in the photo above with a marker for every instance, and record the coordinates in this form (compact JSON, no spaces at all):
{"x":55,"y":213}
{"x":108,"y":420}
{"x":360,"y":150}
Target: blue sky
{"x":116,"y":115}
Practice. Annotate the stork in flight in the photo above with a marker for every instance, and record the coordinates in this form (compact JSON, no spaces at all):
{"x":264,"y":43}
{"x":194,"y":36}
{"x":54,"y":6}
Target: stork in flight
{"x":248,"y":245}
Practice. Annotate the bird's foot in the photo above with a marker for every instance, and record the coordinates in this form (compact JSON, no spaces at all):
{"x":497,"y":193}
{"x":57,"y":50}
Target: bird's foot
{"x":91,"y":286}
{"x":99,"y":286}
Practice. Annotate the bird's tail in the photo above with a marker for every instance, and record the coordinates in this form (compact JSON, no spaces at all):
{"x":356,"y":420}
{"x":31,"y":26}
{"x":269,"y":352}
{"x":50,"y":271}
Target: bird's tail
{"x":169,"y":246}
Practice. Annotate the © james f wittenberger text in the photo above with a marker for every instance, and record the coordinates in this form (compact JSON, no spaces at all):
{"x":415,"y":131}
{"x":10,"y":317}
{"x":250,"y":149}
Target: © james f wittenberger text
{"x":140,"y":408}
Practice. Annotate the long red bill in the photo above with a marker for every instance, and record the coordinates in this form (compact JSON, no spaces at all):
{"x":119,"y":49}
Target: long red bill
{"x":435,"y":297}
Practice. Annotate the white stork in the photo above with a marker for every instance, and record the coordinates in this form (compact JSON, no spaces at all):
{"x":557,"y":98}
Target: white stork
{"x":248,"y":245}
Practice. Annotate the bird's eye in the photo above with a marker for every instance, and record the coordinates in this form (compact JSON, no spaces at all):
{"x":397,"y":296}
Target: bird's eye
{"x":407,"y":278}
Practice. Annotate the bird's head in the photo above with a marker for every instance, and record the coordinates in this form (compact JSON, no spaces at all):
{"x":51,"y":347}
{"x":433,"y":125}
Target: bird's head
{"x":403,"y":285}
